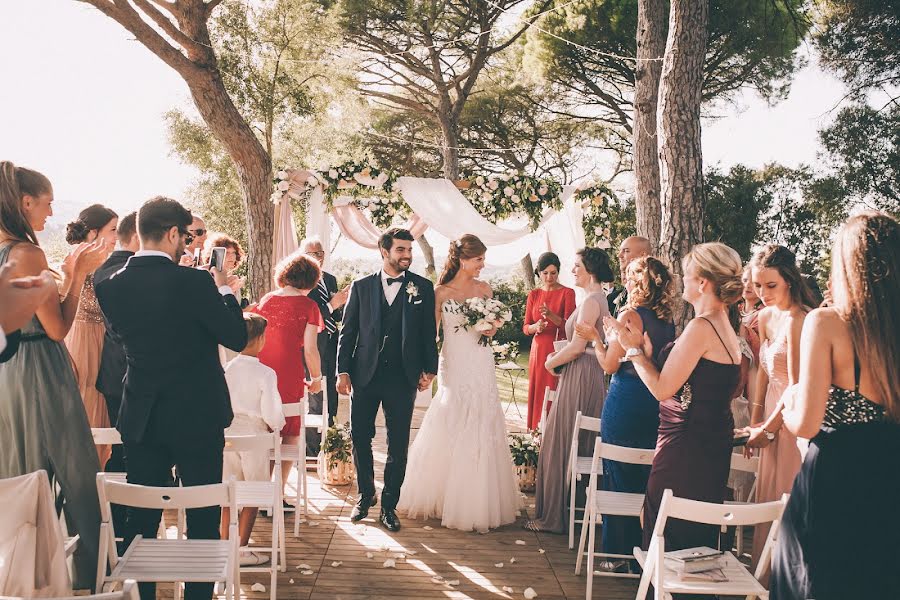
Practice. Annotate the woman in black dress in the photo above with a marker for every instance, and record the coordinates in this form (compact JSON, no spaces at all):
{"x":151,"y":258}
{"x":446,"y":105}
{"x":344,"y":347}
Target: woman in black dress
{"x":694,"y":388}
{"x":839,"y":532}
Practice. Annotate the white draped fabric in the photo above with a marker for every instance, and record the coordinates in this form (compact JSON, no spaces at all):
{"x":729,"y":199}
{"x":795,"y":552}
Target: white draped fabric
{"x":357,"y":227}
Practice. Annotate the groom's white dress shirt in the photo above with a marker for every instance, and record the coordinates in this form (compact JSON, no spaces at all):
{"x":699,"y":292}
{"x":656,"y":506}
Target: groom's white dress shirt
{"x":391,"y":291}
{"x":223,"y":289}
{"x":2,"y":340}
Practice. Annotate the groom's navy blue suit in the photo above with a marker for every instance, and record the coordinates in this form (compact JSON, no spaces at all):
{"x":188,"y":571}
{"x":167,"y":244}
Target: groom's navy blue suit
{"x":384,"y":348}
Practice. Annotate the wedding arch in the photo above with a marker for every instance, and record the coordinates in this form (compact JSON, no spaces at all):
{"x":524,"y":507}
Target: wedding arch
{"x":363,"y":199}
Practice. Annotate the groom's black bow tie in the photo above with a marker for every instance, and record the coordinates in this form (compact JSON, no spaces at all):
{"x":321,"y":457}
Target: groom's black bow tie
{"x":393,"y":280}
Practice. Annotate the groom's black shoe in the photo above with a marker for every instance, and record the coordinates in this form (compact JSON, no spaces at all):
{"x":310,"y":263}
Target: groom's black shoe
{"x":389,"y":519}
{"x":361,"y":510}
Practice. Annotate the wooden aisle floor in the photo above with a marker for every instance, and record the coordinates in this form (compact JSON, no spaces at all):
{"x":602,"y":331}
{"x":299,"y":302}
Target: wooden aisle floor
{"x":335,"y":550}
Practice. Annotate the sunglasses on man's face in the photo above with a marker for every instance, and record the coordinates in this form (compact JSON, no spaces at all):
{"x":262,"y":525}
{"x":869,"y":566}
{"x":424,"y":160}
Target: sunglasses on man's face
{"x":317,"y":254}
{"x":197,"y":232}
{"x":188,"y":238}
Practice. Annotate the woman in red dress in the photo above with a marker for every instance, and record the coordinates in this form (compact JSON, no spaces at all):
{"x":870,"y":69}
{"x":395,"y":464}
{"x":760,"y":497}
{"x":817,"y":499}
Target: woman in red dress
{"x":546,"y":312}
{"x":294,"y":323}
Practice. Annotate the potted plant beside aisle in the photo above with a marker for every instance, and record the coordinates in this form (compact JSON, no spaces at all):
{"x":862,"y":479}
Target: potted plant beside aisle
{"x":524,"y":448}
{"x":335,"y":464}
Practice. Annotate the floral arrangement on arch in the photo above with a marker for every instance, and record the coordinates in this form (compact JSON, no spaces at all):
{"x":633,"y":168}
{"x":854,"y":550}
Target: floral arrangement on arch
{"x":597,"y":201}
{"x":525,"y":448}
{"x":497,"y":197}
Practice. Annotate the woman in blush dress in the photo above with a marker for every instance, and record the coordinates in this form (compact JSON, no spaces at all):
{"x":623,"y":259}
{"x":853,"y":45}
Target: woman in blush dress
{"x":694,"y":388}
{"x":85,"y":338}
{"x":42,"y":419}
{"x":294,"y":323}
{"x":546,"y":311}
{"x":582,"y":387}
{"x":631,"y":413}
{"x":838,"y":535}
{"x":787,"y":300}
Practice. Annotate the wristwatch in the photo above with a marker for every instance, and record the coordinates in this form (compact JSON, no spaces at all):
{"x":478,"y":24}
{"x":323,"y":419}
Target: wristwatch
{"x":770,"y":435}
{"x":632,"y":352}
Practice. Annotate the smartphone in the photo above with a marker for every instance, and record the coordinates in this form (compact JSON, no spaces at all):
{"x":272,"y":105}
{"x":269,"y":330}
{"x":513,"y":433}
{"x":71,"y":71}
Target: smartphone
{"x":217,"y":258}
{"x":196,"y":262}
{"x":740,"y":440}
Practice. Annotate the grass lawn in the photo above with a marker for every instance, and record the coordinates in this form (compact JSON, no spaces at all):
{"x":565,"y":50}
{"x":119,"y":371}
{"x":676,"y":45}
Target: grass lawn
{"x":504,"y":385}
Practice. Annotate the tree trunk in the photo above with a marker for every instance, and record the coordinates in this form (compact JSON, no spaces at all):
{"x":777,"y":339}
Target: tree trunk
{"x":678,"y":127}
{"x":527,"y":267}
{"x":651,"y":44}
{"x":450,"y":149}
{"x":428,"y":252}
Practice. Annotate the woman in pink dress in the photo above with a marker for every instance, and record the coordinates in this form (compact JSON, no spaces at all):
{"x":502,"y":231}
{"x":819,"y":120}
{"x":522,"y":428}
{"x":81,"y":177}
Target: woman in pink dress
{"x":787,"y":300}
{"x":546,"y":311}
{"x":85,"y":338}
{"x":294,"y":323}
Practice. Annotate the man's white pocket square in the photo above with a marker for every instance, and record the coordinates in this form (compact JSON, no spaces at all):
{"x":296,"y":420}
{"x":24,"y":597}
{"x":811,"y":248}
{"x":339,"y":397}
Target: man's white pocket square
{"x":419,"y":302}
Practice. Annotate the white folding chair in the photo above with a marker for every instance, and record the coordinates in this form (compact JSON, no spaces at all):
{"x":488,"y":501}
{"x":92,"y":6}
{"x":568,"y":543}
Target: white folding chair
{"x":578,"y":466}
{"x":106,"y":436}
{"x":129,"y":591}
{"x":263,"y":495}
{"x":745,"y":465}
{"x":602,"y":502}
{"x":549,"y":398}
{"x":297,"y":452}
{"x":168,"y":560}
{"x":740,"y":582}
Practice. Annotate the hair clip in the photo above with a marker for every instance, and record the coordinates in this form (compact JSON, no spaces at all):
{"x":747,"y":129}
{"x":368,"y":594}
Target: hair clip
{"x":458,"y":244}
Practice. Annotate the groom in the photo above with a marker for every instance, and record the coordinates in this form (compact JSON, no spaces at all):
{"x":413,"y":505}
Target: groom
{"x":386,"y":351}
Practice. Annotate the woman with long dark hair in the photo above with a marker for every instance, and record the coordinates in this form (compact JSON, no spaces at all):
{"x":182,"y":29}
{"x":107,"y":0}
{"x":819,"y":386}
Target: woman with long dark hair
{"x":838,"y":536}
{"x":42,"y":419}
{"x":787,"y":300}
{"x":548,"y":307}
{"x":85,"y":338}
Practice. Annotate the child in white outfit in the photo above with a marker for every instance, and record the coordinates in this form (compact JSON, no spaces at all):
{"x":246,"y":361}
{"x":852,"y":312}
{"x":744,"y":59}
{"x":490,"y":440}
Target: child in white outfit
{"x":256,"y":404}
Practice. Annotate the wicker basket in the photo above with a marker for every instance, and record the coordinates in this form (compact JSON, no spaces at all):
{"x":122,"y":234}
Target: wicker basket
{"x":341,"y":473}
{"x":526,"y":476}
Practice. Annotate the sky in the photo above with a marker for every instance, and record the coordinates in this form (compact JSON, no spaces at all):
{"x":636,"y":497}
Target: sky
{"x":83,"y":102}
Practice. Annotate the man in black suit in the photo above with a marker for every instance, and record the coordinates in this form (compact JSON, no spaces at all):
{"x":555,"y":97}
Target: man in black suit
{"x":330,"y":301}
{"x":19,"y":299}
{"x":112,"y":357}
{"x":631,"y":248}
{"x":386,"y":351}
{"x":175,"y":402}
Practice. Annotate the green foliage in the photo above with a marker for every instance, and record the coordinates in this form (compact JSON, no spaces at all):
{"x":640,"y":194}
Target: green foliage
{"x":751,"y":44}
{"x":734,"y":202}
{"x":513,"y":294}
{"x":337,"y":445}
{"x":525,"y":448}
{"x":857,"y":39}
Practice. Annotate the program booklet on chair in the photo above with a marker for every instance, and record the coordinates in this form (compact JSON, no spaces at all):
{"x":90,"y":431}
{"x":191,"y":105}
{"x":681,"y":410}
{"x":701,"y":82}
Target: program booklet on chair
{"x":694,"y":560}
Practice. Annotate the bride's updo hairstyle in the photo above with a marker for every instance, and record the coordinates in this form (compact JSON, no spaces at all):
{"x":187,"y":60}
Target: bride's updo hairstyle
{"x":721,"y":266}
{"x":94,"y":218}
{"x":15,"y":184}
{"x":466,"y":247}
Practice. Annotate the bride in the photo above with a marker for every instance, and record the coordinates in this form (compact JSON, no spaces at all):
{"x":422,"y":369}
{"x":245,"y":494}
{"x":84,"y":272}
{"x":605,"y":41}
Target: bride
{"x":460,"y":468}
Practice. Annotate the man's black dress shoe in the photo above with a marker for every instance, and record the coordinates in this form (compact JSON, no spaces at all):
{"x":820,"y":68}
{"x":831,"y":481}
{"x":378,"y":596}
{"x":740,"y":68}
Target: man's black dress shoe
{"x":389,"y":519}
{"x":361,"y":510}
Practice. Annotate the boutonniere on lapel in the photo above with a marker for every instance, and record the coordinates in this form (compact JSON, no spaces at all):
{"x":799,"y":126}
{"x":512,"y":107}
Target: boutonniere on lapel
{"x":411,"y":291}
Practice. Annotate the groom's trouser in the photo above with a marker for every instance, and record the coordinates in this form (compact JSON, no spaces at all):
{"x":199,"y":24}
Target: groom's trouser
{"x":393,"y":392}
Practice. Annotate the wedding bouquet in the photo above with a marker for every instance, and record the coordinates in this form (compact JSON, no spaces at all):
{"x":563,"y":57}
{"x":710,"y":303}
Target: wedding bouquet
{"x":483,"y":314}
{"x":507,"y":352}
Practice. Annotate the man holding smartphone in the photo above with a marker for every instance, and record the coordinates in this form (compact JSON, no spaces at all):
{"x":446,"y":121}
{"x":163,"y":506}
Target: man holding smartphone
{"x":175,"y":402}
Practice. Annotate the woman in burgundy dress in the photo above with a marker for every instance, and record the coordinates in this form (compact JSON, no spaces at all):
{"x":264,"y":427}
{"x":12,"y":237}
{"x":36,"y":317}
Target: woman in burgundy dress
{"x":294,"y":323}
{"x":546,"y":312}
{"x":694,"y":388}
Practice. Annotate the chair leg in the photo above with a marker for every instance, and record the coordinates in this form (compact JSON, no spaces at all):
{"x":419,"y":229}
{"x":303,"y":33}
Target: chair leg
{"x":588,"y":514}
{"x":282,"y":535}
{"x":590,"y":556}
{"x":572,"y":489}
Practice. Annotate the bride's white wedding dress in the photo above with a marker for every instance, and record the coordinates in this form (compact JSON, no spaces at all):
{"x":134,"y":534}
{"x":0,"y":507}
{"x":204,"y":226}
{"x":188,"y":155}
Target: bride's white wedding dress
{"x":459,"y":467}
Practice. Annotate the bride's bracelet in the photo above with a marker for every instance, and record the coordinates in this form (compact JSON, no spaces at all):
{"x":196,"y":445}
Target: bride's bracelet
{"x":313,"y":380}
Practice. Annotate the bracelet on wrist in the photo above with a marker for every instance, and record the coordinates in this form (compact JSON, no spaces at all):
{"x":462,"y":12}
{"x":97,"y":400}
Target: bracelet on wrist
{"x":314,"y":379}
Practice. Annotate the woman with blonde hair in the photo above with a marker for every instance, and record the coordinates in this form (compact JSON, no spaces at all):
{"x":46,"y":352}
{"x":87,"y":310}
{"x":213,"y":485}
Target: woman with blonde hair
{"x":631,"y":413}
{"x":838,"y":536}
{"x":694,"y":388}
{"x":42,"y":420}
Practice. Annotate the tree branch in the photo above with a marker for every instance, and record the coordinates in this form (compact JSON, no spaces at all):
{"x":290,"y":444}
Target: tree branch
{"x":169,"y":28}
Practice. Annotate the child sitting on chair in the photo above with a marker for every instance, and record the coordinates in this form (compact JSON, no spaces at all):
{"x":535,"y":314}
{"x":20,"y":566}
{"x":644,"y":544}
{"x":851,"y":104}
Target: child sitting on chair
{"x":256,"y":404}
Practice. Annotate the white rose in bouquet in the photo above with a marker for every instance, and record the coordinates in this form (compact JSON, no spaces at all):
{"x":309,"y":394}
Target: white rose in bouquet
{"x":283,"y":186}
{"x":281,"y":175}
{"x":483,"y":325}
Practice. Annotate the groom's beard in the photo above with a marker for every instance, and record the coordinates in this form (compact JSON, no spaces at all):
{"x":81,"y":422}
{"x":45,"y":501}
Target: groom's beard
{"x":398,"y":266}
